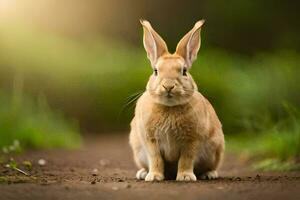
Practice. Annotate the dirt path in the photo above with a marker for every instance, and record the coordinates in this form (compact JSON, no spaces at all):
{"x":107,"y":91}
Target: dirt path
{"x":68,"y":175}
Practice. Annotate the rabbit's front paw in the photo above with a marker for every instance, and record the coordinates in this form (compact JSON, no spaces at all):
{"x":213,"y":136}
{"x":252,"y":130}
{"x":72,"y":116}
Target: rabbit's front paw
{"x":186,"y":176}
{"x":154,"y":176}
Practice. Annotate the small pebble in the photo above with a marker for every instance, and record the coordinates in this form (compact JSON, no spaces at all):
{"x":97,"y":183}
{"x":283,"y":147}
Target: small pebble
{"x":104,"y":162}
{"x":95,"y":172}
{"x":42,"y":162}
{"x":115,"y":188}
{"x":27,"y":164}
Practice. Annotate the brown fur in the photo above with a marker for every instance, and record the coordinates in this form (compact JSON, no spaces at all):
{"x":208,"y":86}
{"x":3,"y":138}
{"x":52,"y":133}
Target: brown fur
{"x":181,"y":131}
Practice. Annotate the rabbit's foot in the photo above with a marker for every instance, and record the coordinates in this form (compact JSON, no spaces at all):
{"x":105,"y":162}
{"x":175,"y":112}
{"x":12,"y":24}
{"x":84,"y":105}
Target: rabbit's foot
{"x":186,"y":176}
{"x":141,"y":174}
{"x":209,"y":175}
{"x":154,"y":176}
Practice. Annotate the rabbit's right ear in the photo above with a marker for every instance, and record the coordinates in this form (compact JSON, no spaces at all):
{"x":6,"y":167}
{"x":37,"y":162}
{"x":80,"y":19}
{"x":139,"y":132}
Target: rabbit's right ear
{"x":189,"y":45}
{"x":154,"y":45}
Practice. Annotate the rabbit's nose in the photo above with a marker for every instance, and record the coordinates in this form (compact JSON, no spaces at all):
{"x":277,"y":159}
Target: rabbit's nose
{"x":168,"y":88}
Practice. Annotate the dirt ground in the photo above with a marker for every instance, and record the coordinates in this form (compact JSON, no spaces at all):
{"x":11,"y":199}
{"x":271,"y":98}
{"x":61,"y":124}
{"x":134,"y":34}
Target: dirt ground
{"x":68,"y":174}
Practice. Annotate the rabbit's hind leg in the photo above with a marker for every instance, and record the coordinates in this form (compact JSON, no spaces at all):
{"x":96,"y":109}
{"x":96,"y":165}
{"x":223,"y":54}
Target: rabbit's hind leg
{"x":208,"y":163}
{"x":139,"y":155}
{"x":210,"y":175}
{"x":142,"y":163}
{"x":141,"y":174}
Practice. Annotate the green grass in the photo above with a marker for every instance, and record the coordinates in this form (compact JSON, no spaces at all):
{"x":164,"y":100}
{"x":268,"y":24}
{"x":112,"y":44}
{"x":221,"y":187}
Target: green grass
{"x":274,"y":149}
{"x":283,"y":144}
{"x":29,"y":123}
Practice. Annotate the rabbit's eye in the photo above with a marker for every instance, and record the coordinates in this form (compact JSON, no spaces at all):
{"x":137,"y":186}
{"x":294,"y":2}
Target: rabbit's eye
{"x":155,"y":72}
{"x":184,"y":72}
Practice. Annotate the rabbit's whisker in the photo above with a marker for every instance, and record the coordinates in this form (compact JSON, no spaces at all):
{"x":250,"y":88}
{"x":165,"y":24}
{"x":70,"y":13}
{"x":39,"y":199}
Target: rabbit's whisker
{"x":129,"y":101}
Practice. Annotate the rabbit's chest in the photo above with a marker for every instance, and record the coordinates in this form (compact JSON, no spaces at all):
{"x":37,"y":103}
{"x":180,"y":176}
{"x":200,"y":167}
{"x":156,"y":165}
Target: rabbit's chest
{"x":171,"y":130}
{"x":176,"y":123}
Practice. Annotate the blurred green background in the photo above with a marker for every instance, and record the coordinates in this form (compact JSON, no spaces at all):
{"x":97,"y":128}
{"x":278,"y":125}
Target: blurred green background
{"x":68,"y":67}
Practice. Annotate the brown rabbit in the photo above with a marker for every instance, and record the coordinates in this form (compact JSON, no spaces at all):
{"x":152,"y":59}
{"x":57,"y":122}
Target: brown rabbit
{"x":174,"y":126}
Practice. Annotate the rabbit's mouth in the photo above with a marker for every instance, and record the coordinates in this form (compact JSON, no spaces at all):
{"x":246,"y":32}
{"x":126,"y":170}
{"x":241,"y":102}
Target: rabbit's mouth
{"x":169,"y":95}
{"x":171,"y":98}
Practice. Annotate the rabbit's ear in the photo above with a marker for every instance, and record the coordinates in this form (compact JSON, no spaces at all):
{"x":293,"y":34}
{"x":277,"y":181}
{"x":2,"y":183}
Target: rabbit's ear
{"x":189,"y":45}
{"x":155,"y":46}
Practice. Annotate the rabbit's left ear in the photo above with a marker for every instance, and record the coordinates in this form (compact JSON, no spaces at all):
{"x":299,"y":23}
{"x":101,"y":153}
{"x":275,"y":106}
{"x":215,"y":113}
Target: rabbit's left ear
{"x":154,"y":45}
{"x":189,"y":45}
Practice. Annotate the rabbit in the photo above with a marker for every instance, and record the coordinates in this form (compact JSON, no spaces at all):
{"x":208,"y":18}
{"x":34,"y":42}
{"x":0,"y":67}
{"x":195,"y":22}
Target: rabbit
{"x":174,"y":126}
